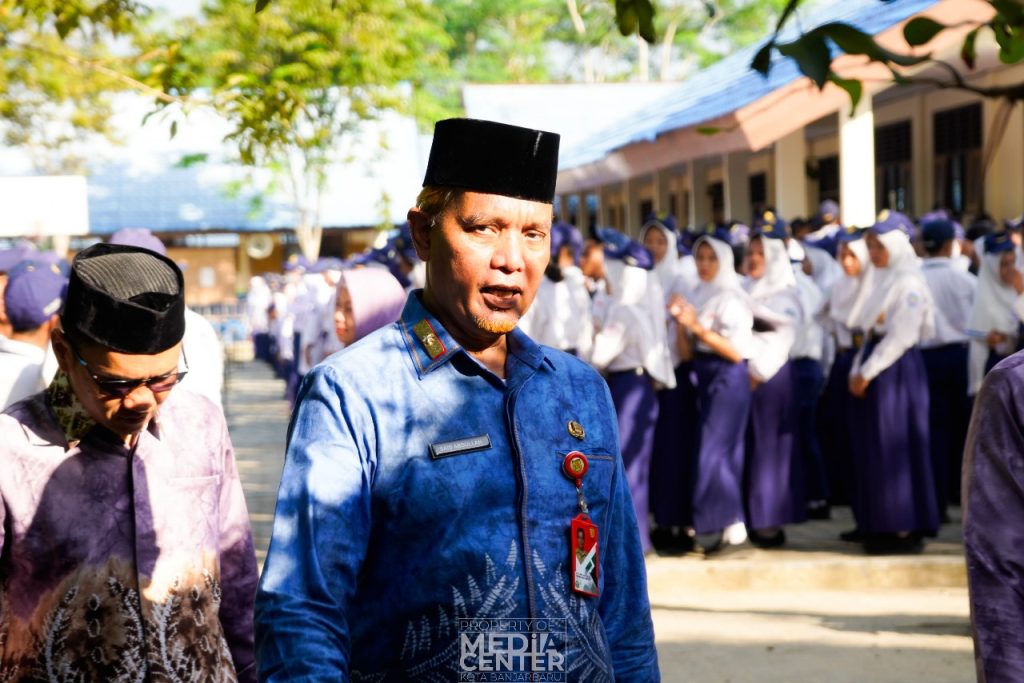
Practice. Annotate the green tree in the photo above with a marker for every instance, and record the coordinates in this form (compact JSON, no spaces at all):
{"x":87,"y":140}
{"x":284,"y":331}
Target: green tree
{"x":297,"y":79}
{"x":58,"y":73}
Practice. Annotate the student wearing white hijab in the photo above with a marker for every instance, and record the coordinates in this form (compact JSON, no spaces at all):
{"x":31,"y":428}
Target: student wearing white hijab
{"x":632,"y":349}
{"x":894,"y":493}
{"x":715,"y":331}
{"x":834,"y":410}
{"x":662,"y":243}
{"x":560,"y":316}
{"x":774,"y":473}
{"x":945,"y":357}
{"x":673,"y":432}
{"x":993,"y":324}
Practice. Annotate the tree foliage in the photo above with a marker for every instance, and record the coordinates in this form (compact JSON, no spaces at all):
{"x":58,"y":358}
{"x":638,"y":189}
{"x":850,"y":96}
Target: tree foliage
{"x":297,"y":78}
{"x":814,"y":51}
{"x":58,"y":73}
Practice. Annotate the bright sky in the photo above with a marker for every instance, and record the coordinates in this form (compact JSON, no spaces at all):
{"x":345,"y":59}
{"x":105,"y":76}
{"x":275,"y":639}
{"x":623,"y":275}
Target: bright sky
{"x":176,"y":8}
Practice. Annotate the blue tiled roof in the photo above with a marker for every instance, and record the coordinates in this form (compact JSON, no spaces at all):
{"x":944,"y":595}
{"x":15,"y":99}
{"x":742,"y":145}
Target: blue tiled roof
{"x":731,"y":84}
{"x":173,"y":199}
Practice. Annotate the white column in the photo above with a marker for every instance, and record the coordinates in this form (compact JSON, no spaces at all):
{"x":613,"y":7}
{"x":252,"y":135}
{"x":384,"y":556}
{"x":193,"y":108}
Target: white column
{"x":736,"y":182}
{"x":857,"y":164}
{"x":791,"y":176}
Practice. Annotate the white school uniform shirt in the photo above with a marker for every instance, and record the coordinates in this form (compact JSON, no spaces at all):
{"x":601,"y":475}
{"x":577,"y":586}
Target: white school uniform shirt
{"x":722,"y":305}
{"x":633,"y":334}
{"x":953,"y":292}
{"x":560,"y":316}
{"x":995,"y":306}
{"x":810,"y":335}
{"x":776,"y":298}
{"x":205,"y":358}
{"x":844,"y":294}
{"x":895,"y":302}
{"x":21,"y":370}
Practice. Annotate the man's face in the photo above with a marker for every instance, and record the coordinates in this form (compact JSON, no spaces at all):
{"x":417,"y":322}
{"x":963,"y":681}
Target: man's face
{"x":485,"y":255}
{"x":122,"y":415}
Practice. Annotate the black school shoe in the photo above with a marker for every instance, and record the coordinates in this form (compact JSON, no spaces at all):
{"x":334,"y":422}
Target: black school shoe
{"x":893,"y":544}
{"x":852,"y":536}
{"x":767,"y":541}
{"x":671,"y":541}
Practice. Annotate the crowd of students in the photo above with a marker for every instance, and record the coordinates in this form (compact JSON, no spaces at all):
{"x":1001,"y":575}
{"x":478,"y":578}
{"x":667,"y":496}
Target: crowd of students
{"x":761,"y":374}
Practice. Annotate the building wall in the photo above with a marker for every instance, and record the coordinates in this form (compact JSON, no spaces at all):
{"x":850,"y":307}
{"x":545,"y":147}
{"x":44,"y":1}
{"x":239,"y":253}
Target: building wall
{"x":210,"y":274}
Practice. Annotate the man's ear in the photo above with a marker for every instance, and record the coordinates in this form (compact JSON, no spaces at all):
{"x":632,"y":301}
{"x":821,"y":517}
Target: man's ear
{"x":419,"y":226}
{"x":60,"y":348}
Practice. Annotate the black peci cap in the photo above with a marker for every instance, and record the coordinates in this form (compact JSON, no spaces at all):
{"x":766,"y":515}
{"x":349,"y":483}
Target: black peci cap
{"x":494,"y":158}
{"x":125,"y":298}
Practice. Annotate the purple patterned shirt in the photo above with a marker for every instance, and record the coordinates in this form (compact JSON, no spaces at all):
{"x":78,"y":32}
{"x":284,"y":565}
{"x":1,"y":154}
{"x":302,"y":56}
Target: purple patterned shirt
{"x":117,"y":563}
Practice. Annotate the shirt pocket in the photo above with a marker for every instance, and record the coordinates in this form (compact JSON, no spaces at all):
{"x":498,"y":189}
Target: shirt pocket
{"x":597,"y":482}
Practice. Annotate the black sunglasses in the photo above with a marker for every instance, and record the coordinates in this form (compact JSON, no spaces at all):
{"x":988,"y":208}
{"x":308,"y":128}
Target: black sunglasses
{"x":122,"y":387}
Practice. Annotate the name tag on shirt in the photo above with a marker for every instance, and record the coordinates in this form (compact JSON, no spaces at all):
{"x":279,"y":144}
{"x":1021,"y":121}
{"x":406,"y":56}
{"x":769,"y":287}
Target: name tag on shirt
{"x":470,"y":444}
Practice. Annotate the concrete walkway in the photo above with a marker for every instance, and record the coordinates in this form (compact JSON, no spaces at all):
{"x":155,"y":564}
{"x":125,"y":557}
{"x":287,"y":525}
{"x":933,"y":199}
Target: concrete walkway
{"x":816,"y":610}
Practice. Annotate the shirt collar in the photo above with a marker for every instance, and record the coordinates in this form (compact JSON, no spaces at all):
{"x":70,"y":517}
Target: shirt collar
{"x":430,"y":345}
{"x":74,"y":421}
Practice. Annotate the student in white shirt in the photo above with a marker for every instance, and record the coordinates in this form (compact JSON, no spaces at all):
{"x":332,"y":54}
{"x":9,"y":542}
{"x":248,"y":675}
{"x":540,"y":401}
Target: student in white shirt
{"x":32,"y":300}
{"x":945,"y":358}
{"x":834,"y":409}
{"x":894,"y":493}
{"x":631,"y":349}
{"x":994,"y":324}
{"x":715,"y":330}
{"x":774,"y":474}
{"x":560,"y":316}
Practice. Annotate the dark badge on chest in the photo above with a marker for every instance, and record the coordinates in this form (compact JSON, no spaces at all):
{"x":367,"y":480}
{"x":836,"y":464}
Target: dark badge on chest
{"x":470,"y":444}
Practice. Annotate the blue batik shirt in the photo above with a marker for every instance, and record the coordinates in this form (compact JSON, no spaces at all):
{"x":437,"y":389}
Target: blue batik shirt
{"x":422,"y":525}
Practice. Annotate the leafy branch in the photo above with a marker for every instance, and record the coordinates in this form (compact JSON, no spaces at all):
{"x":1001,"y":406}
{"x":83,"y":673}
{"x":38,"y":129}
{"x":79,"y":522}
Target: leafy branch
{"x":814,"y":51}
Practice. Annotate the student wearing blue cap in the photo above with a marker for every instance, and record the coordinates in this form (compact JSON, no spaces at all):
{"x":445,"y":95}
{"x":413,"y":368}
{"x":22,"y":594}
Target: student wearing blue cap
{"x":774,"y":491}
{"x":631,"y":347}
{"x":32,"y":300}
{"x":894,"y":492}
{"x":945,"y":356}
{"x":714,"y":328}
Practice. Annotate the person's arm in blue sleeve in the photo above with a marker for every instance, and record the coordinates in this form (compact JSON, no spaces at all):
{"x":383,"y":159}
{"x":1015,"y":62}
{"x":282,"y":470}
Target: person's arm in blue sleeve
{"x":994,"y":525}
{"x":624,"y":607}
{"x":321,"y":532}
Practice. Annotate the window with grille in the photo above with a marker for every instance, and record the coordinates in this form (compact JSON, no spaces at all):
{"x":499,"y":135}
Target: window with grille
{"x":893,"y":157}
{"x":957,"y":139}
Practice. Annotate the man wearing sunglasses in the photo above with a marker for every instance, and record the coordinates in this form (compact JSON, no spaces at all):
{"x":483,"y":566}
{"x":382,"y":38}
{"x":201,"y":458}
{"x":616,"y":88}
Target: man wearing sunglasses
{"x":125,"y":547}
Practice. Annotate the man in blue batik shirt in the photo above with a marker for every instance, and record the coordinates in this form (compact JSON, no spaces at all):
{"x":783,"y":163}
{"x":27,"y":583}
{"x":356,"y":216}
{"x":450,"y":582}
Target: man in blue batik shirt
{"x":423,"y":520}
